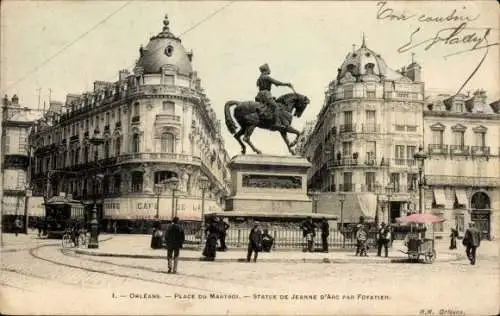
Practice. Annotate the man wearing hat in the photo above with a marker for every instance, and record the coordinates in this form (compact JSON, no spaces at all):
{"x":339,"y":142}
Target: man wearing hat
{"x":264,"y":96}
{"x":174,"y":238}
{"x":254,"y":242}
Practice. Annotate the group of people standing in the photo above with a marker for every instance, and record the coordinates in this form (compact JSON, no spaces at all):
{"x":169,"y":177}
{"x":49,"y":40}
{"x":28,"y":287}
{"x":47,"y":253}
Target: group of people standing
{"x":215,"y":232}
{"x":308,"y":228}
{"x":383,"y":239}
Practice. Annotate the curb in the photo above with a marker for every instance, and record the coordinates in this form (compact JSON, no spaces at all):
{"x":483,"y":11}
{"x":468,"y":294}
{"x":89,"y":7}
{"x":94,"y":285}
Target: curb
{"x":271,"y":260}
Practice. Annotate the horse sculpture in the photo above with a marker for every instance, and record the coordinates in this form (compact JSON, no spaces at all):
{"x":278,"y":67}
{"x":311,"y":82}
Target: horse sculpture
{"x":250,"y":114}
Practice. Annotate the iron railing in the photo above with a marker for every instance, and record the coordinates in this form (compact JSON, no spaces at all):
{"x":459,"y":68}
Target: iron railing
{"x":459,"y":150}
{"x":288,"y":238}
{"x":370,"y":128}
{"x":441,"y":149}
{"x":480,"y":150}
{"x":347,"y":128}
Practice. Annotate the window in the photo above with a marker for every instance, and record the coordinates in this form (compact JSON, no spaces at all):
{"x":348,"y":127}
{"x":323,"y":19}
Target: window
{"x":347,"y":149}
{"x":395,"y":182}
{"x":168,"y":80}
{"x":77,"y":155}
{"x":136,"y":111}
{"x":437,"y":137}
{"x":348,"y":120}
{"x":22,"y":141}
{"x":106,"y":149}
{"x":438,"y":227}
{"x":399,"y":154}
{"x":370,"y":181}
{"x":136,"y":181}
{"x":410,"y":151}
{"x":371,"y":151}
{"x":107,"y":118}
{"x":348,"y":187}
{"x":86,"y":154}
{"x":118,"y":115}
{"x":460,"y":223}
{"x":135,"y":143}
{"x":21,"y":180}
{"x":412,"y":181}
{"x":169,"y":107}
{"x":118,"y":145}
{"x":117,"y":182}
{"x":480,"y":138}
{"x":370,"y":94}
{"x":458,"y":138}
{"x":167,"y":143}
{"x":459,"y":106}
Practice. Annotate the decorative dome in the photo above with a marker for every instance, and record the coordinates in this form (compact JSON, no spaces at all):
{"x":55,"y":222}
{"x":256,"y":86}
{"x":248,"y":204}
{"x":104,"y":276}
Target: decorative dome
{"x":165,"y":49}
{"x":365,"y":62}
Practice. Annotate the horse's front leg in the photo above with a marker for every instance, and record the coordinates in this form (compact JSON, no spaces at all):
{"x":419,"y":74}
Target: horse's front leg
{"x":285,"y":138}
{"x":292,"y":130}
{"x":238,"y":138}
{"x":247,"y":140}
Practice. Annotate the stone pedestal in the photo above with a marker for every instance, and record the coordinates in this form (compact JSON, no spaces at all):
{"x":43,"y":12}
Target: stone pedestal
{"x":269,"y":185}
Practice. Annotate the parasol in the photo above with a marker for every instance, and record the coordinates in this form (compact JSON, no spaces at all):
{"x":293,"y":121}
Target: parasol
{"x":420,"y":218}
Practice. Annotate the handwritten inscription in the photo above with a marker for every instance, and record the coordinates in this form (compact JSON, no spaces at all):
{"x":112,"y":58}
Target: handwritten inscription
{"x":385,"y":12}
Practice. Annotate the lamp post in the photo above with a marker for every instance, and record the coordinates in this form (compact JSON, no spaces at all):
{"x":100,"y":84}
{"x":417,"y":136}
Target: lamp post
{"x":203,"y":186}
{"x":315,"y":197}
{"x":94,"y":222}
{"x":158,"y":189}
{"x":341,"y":200}
{"x":388,"y":190}
{"x":172,"y":183}
{"x":378,"y":189}
{"x":420,"y":156}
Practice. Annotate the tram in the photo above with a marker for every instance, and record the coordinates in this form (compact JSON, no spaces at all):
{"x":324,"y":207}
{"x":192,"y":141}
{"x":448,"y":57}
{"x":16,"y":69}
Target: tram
{"x":59,"y":212}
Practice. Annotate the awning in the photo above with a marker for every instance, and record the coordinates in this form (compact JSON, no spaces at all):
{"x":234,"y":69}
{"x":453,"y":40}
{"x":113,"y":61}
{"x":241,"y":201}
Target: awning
{"x":233,"y":214}
{"x":439,"y":197}
{"x":354,"y":206}
{"x":462,"y":197}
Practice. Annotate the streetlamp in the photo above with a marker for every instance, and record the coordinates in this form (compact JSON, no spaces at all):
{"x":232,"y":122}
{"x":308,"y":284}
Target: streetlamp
{"x":389,"y":189}
{"x":94,"y":223}
{"x":378,"y":191}
{"x":420,"y":156}
{"x":315,"y":197}
{"x":172,"y":183}
{"x":203,"y":186}
{"x":341,"y":200}
{"x":158,"y":189}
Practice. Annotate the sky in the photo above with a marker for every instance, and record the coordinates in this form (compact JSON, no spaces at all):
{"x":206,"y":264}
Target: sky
{"x":66,"y":46}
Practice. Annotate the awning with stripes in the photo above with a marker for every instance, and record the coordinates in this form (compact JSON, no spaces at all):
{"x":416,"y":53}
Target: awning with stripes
{"x":439,"y":197}
{"x":461,"y":197}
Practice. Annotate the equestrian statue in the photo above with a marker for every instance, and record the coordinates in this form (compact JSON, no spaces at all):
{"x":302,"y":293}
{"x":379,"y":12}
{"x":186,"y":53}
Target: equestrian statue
{"x":266,"y":112}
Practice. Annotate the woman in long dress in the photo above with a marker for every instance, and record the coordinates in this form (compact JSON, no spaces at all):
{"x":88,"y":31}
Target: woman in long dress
{"x":211,"y":244}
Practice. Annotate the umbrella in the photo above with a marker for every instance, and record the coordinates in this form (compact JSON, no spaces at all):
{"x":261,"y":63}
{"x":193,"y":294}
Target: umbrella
{"x":420,"y":218}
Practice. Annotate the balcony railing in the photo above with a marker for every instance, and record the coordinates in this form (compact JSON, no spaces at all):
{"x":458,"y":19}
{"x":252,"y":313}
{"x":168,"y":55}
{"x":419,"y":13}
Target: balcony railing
{"x":347,"y":187}
{"x":168,"y":119}
{"x":440,"y":149}
{"x":462,"y":150}
{"x":158,"y":156}
{"x":480,"y":150}
{"x":347,"y":128}
{"x":370,"y":161}
{"x":342,"y":162}
{"x":370,"y":128}
{"x":403,"y":162}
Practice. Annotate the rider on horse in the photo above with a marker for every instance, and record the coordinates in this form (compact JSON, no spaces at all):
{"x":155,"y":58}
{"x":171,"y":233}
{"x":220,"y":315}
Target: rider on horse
{"x":264,"y":96}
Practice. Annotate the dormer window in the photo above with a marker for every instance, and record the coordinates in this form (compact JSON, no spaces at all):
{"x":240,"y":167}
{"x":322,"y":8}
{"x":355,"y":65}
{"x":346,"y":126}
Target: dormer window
{"x":351,"y":68}
{"x":369,"y":68}
{"x":169,"y":50}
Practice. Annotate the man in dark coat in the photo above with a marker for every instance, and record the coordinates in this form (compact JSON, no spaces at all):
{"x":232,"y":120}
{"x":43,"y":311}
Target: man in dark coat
{"x":223,"y":227}
{"x":308,"y":232}
{"x":174,"y":238}
{"x":325,"y":232}
{"x":471,"y":241}
{"x":382,"y":240}
{"x":267,"y":241}
{"x":255,"y":242}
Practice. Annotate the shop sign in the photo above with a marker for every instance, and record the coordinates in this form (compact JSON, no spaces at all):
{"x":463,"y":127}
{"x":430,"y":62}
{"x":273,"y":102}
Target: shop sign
{"x":13,"y":205}
{"x":36,"y":206}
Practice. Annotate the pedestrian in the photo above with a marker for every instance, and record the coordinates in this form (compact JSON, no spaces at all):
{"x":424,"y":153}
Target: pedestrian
{"x":115,"y":227}
{"x":39,"y":226}
{"x":325,"y":232}
{"x":223,"y":227}
{"x":157,"y":236}
{"x":254,"y":242}
{"x":267,"y":241}
{"x":174,"y":238}
{"x":471,"y":241}
{"x":361,"y":223}
{"x":453,"y":238}
{"x":308,"y":232}
{"x":361,"y":238}
{"x":383,"y":240}
{"x":18,"y":226}
{"x":210,"y":250}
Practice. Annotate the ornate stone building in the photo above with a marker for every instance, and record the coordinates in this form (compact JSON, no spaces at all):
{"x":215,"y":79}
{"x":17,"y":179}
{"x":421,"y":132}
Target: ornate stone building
{"x":364,"y":139}
{"x":16,"y":202}
{"x":462,"y":138}
{"x":156,"y":124}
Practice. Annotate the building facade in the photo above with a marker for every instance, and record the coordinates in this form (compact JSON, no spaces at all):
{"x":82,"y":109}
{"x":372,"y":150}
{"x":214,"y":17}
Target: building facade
{"x":462,"y":139}
{"x":152,"y":125}
{"x":364,"y":139}
{"x":16,"y":199}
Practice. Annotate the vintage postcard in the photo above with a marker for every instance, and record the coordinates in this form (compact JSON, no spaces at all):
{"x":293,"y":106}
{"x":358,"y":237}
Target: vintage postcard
{"x":250,"y":158}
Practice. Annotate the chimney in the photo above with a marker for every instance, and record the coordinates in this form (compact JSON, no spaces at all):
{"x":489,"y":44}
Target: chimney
{"x":495,"y":106}
{"x":414,"y":72}
{"x":477,"y":102}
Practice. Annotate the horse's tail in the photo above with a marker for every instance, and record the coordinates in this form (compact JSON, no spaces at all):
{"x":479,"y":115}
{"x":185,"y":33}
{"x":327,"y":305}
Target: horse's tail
{"x":231,"y":126}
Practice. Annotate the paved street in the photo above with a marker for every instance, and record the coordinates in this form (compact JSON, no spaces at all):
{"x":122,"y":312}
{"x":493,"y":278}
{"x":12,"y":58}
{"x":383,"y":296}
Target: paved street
{"x":62,"y":281}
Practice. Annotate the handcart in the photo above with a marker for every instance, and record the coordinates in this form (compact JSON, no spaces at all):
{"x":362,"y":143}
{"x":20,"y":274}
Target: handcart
{"x":416,"y":246}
